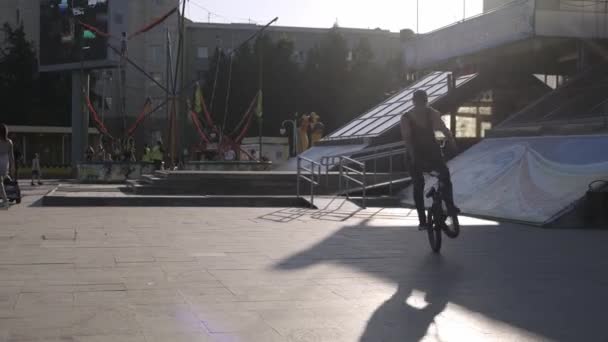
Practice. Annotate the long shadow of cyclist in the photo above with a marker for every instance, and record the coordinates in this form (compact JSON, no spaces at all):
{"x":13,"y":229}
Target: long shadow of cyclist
{"x":423,"y":291}
{"x":410,"y":313}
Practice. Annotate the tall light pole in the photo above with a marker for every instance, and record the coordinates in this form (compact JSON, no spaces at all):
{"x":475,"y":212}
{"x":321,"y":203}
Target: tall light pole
{"x":417,"y":17}
{"x":464,"y":10}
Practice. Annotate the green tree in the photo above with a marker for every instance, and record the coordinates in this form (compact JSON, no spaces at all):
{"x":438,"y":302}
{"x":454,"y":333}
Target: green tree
{"x":326,"y":76}
{"x":30,"y":98}
{"x":17,"y":74}
{"x":280,"y":76}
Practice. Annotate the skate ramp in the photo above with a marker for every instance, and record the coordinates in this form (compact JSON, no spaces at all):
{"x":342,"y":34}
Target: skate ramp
{"x":533,"y":179}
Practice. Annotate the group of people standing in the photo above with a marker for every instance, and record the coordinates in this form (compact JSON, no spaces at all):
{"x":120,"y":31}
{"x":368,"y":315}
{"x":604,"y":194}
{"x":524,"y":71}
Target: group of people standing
{"x":124,"y":151}
{"x":310,"y":131}
{"x":116,"y":150}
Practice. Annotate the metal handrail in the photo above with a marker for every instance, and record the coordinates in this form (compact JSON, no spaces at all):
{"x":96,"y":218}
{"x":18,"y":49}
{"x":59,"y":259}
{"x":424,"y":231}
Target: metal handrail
{"x":310,"y":179}
{"x":372,"y":152}
{"x":345,"y":174}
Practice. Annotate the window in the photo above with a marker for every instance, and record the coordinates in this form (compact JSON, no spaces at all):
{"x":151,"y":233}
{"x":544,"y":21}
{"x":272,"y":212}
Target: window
{"x":485,"y":127}
{"x":155,"y":53}
{"x":466,"y":127}
{"x":202,"y":52}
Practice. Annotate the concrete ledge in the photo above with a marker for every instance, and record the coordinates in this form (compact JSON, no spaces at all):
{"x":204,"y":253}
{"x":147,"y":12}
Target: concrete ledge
{"x":116,"y":198}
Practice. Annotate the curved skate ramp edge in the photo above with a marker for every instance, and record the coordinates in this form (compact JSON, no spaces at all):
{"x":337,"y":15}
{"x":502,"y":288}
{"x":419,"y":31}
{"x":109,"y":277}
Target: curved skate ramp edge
{"x":528,"y":179}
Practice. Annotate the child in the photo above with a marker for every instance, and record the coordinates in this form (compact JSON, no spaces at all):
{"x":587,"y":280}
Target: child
{"x":36,"y":168}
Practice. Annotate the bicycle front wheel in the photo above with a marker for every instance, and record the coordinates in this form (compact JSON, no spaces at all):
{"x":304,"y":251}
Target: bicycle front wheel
{"x":434,"y":232}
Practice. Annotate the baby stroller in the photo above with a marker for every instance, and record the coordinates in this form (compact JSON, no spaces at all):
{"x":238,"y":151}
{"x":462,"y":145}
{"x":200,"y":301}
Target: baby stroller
{"x":13,"y":192}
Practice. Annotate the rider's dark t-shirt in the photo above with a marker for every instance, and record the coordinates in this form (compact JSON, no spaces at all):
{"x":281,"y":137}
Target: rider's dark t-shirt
{"x":427,"y":152}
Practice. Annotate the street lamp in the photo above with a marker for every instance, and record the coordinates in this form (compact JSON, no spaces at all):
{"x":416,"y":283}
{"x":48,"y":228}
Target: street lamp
{"x":294,"y":124}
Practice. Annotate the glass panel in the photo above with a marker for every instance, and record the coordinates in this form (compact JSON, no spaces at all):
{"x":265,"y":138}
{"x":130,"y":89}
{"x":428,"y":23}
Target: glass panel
{"x":404,"y":96}
{"x":388,"y":110}
{"x":390,"y":123}
{"x":438,"y":89}
{"x":485,"y":126}
{"x":373,"y":111}
{"x":378,"y":122}
{"x":402,"y":108}
{"x":466,"y":127}
{"x":355,"y":129}
{"x":467,"y":110}
{"x":345,"y":128}
{"x":485,"y":110}
{"x":433,"y":98}
{"x":463,"y":79}
{"x":384,"y":111}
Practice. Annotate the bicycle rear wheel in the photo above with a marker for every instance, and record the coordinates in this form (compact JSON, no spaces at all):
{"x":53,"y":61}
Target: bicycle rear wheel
{"x":434,"y":233}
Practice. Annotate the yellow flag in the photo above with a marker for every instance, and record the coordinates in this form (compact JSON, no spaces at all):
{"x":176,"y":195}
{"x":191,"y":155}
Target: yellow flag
{"x":260,"y":108}
{"x":198,"y":99}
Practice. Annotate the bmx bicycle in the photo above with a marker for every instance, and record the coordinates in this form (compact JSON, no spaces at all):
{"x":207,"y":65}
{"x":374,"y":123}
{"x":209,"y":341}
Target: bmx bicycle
{"x":438,"y":220}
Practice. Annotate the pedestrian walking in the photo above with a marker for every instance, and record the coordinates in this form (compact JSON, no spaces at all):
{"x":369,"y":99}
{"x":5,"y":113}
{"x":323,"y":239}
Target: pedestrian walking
{"x":7,"y":163}
{"x":36,"y":172}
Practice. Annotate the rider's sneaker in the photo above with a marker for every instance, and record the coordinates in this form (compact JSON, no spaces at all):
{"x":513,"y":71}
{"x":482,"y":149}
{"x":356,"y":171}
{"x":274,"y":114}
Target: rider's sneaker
{"x":423,"y":225}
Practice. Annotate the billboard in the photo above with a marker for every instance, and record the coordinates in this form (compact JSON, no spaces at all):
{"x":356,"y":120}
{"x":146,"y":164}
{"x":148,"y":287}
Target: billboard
{"x":65,"y":43}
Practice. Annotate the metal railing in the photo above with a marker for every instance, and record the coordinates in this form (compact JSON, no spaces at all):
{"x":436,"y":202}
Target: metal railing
{"x":374,"y":158}
{"x":312,"y":176}
{"x":345,"y":174}
{"x":331,"y":161}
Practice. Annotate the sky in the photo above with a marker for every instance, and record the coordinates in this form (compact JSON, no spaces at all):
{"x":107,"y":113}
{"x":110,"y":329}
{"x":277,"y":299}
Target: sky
{"x":392,"y":15}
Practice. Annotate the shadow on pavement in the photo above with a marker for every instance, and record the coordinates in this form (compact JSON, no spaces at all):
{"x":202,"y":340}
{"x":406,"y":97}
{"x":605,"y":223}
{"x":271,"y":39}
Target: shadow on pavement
{"x":541,"y":284}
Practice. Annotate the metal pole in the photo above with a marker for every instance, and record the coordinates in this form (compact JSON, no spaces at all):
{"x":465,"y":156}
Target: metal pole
{"x":390,"y":170}
{"x":376,"y":168}
{"x":103,"y":97}
{"x":417,"y":17}
{"x":340,"y":178}
{"x":464,"y":10}
{"x":312,"y":183}
{"x":347,"y":184}
{"x":298,"y":180}
{"x":364,"y":185}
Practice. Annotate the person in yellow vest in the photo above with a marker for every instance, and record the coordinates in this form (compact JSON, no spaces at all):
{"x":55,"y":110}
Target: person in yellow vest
{"x":146,"y":157}
{"x":303,"y":142}
{"x":317,"y":129}
{"x":157,"y":155}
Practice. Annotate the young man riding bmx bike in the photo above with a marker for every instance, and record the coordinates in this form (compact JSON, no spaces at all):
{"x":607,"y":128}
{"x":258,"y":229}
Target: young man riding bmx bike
{"x":418,"y":128}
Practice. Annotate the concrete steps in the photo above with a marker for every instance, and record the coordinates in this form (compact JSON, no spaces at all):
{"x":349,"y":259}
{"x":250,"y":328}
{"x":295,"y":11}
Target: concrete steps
{"x":233,"y":183}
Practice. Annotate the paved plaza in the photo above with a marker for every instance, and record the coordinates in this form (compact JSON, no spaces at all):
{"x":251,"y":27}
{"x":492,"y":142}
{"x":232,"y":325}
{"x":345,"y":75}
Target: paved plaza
{"x":234,"y":274}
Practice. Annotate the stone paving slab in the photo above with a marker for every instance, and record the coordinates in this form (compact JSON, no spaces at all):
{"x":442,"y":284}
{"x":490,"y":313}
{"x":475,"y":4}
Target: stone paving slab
{"x":340,"y":273}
